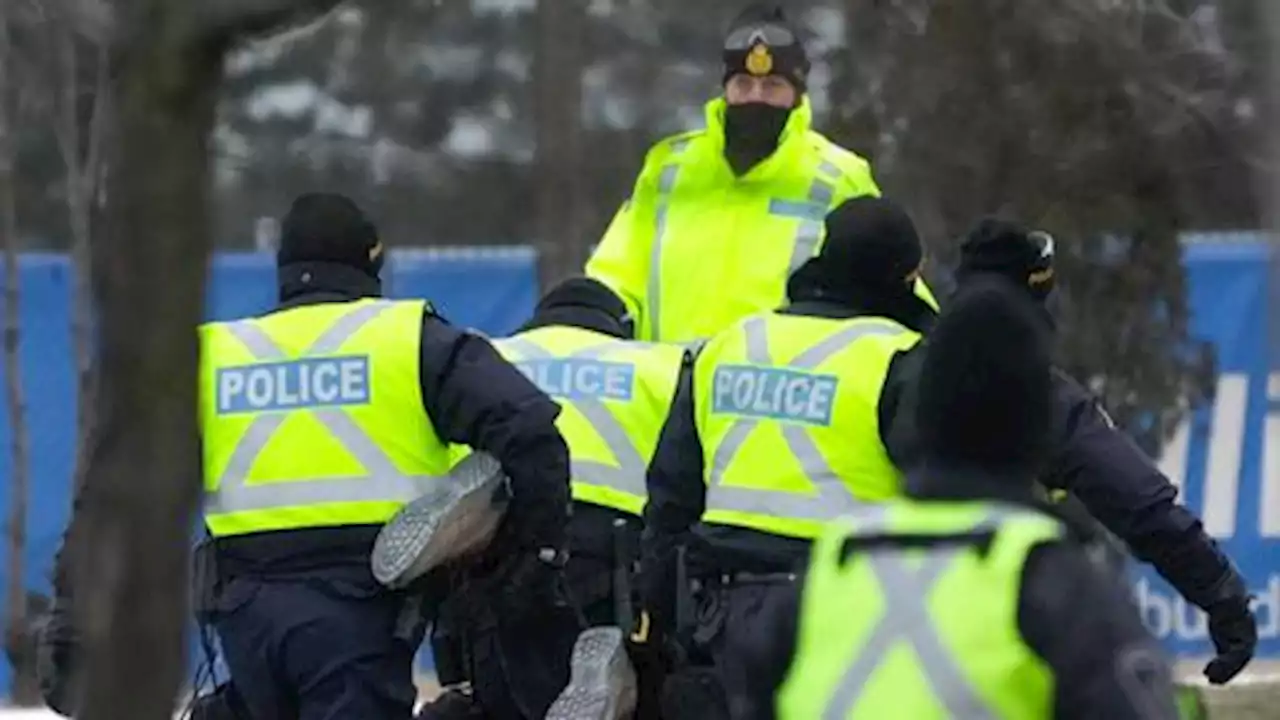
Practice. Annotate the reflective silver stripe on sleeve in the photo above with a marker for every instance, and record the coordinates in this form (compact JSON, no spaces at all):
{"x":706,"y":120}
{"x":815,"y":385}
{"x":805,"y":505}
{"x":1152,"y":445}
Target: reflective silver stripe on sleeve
{"x":812,"y":213}
{"x":628,"y":475}
{"x":905,"y":587}
{"x":666,"y":184}
{"x":381,"y":481}
{"x":832,"y":498}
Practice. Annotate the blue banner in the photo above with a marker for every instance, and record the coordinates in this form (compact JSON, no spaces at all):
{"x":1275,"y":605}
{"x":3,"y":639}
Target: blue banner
{"x":1226,"y":457}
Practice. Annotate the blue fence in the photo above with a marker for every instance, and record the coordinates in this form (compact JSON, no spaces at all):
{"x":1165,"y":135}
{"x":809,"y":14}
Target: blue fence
{"x":1235,"y":445}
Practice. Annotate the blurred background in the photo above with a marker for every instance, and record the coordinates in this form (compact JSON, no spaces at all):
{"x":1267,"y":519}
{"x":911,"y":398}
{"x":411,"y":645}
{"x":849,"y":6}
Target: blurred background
{"x":492,"y":140}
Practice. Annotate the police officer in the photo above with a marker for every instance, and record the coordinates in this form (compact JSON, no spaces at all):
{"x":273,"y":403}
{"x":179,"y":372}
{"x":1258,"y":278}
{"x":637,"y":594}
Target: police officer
{"x":748,"y":191}
{"x":971,"y":600}
{"x":319,"y":421}
{"x":1100,"y":466}
{"x":779,"y":432}
{"x":615,"y":395}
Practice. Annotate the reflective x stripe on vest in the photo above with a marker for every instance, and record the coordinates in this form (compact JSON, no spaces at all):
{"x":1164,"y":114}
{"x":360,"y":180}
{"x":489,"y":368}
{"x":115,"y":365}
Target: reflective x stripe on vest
{"x":629,"y":474}
{"x":906,"y":587}
{"x":811,"y":213}
{"x":833,"y":498}
{"x":383,"y":480}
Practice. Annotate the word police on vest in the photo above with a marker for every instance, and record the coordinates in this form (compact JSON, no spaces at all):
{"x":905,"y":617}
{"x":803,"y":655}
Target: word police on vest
{"x":775,"y":394}
{"x":574,"y":379}
{"x":296,"y":384}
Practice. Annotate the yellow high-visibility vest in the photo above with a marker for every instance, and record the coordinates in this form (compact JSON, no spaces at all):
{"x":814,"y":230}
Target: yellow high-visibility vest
{"x":921,"y":631}
{"x":313,"y":417}
{"x":614,"y":395}
{"x":786,"y":411}
{"x":696,"y":248}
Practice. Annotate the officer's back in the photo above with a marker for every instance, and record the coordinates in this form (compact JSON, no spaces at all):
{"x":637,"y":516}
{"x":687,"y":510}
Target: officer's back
{"x":615,"y":395}
{"x":784,"y":422}
{"x":1005,"y":616}
{"x":320,"y":420}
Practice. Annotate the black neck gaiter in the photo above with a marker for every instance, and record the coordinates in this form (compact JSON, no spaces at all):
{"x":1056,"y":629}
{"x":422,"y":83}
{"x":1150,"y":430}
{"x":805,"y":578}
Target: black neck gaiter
{"x":751,"y":133}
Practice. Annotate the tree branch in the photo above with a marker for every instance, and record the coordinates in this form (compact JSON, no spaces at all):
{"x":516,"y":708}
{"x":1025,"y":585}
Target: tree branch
{"x":97,"y":124}
{"x":226,"y":20}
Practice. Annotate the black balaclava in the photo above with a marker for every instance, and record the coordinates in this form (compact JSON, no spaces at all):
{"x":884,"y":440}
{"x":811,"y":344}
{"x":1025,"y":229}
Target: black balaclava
{"x":325,"y":237}
{"x":761,"y":41}
{"x":582,"y":302}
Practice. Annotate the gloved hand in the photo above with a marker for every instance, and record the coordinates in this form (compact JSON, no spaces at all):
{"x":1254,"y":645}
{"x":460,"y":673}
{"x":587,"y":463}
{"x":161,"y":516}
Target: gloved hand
{"x":1005,"y":248}
{"x":1234,"y":630}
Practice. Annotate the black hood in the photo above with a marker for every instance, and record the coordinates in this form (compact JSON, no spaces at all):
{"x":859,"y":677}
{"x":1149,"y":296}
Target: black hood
{"x":985,"y":388}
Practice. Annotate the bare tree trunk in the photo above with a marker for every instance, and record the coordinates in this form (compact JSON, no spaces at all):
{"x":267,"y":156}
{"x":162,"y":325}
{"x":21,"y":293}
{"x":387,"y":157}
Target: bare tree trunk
{"x":562,"y":239}
{"x":17,"y":635}
{"x":148,"y":274}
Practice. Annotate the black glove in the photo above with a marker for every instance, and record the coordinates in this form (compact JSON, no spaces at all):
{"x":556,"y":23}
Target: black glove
{"x":1234,"y":630}
{"x":1005,"y":248}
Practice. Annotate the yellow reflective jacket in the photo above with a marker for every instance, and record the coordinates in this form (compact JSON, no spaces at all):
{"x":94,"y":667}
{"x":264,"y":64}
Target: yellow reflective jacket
{"x":696,"y":248}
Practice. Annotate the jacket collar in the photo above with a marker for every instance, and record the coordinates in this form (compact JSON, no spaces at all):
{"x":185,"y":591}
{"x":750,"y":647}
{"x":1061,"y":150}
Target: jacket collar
{"x":909,"y":311}
{"x":790,"y":142}
{"x":308,"y":283}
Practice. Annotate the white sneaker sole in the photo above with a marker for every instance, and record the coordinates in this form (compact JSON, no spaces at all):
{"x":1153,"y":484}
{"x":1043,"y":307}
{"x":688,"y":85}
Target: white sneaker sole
{"x":456,"y":519}
{"x":602,"y":682}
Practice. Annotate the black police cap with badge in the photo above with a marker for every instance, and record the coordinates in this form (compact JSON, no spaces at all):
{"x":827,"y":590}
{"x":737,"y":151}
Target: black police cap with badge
{"x":762,"y":41}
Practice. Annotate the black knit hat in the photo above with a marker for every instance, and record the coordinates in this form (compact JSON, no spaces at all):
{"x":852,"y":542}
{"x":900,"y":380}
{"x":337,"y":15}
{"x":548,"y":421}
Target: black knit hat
{"x":870,"y":243}
{"x":329,"y":228}
{"x":1002,"y":247}
{"x":583,"y":302}
{"x":762,"y":41}
{"x":584,"y":292}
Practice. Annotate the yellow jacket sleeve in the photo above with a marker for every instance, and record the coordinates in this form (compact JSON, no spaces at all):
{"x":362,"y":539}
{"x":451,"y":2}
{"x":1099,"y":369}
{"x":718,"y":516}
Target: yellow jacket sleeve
{"x":622,"y":259}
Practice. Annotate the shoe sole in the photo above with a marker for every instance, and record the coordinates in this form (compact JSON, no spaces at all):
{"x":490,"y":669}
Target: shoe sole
{"x":457,"y":519}
{"x":602,"y":682}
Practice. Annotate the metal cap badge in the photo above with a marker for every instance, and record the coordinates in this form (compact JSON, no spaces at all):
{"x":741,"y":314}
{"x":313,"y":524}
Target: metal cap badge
{"x":759,"y":61}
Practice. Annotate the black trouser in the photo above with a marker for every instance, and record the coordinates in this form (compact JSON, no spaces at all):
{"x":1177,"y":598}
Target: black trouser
{"x":728,"y":632}
{"x":316,"y":650}
{"x":600,"y":546}
{"x":517,"y":666}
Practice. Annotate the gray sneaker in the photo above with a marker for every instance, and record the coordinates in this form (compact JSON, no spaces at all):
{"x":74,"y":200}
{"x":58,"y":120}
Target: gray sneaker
{"x":456,"y":519}
{"x":602,"y":682}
